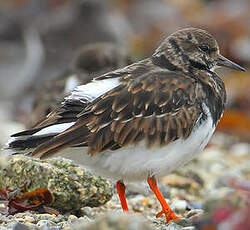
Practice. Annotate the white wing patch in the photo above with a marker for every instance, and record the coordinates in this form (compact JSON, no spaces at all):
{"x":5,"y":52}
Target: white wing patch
{"x":93,"y":89}
{"x":53,"y":129}
{"x":71,"y":83}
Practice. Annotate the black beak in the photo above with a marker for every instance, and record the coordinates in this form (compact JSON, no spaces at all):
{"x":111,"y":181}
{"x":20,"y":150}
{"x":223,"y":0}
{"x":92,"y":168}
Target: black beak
{"x":222,"y":61}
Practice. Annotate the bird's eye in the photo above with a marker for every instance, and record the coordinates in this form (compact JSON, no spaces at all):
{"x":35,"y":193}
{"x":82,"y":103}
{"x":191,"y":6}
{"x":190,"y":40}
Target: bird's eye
{"x":189,"y":36}
{"x":204,"y":48}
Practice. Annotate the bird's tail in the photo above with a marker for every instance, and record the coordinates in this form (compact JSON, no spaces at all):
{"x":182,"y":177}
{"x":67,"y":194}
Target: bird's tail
{"x":27,"y":141}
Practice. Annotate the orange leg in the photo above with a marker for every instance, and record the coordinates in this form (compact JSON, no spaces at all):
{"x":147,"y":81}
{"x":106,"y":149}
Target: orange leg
{"x":120,"y":187}
{"x":169,"y":214}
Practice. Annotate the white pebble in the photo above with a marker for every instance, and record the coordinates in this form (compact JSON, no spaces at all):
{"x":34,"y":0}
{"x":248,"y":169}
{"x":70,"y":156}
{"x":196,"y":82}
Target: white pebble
{"x":179,"y":205}
{"x":29,"y":219}
{"x":240,"y":149}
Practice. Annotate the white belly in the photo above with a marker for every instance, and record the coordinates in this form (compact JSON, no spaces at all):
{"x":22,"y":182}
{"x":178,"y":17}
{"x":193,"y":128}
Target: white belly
{"x":136,"y":163}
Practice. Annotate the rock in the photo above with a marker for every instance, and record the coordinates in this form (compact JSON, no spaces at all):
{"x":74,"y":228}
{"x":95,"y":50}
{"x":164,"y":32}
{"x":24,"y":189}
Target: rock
{"x":29,"y":219}
{"x":171,"y":226}
{"x":3,"y":228}
{"x":41,"y":221}
{"x":194,"y":205}
{"x":72,"y":217}
{"x":114,"y":221}
{"x":20,"y":226}
{"x":240,"y":149}
{"x":72,"y":186}
{"x":194,"y":214}
{"x":182,"y":182}
{"x":11,"y":225}
{"x":189,"y":228}
{"x":184,"y":222}
{"x":179,"y":205}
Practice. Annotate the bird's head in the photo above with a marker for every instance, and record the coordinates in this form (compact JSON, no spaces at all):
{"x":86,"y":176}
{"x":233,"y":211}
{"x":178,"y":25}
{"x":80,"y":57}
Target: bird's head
{"x":191,"y":49}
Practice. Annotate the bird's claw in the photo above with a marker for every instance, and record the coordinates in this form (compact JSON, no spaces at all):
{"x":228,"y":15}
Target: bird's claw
{"x":170,"y":215}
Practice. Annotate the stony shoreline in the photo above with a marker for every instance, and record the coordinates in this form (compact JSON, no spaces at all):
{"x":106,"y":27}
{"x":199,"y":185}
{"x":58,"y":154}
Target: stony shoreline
{"x":190,"y":192}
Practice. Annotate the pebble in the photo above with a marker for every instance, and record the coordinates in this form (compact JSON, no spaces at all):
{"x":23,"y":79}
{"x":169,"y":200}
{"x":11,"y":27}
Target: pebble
{"x":31,"y":226}
{"x":46,"y":216}
{"x":115,"y":221}
{"x":20,"y":226}
{"x":20,"y":219}
{"x":171,"y":226}
{"x":29,"y":219}
{"x":179,"y":205}
{"x":194,"y":205}
{"x":194,"y":213}
{"x":11,"y":225}
{"x":216,"y":167}
{"x":42,"y":223}
{"x":3,"y":228}
{"x":72,"y":217}
{"x":240,"y":149}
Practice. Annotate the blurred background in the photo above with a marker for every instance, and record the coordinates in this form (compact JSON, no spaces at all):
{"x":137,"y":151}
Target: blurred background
{"x":40,"y":41}
{"x":39,"y":38}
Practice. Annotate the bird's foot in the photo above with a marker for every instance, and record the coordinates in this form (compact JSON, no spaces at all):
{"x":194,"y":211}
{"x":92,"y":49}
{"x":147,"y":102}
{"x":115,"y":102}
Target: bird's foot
{"x":169,"y":214}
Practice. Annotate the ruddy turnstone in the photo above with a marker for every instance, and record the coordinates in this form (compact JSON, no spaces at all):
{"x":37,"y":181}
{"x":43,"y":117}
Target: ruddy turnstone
{"x":90,"y":61}
{"x":143,"y":121}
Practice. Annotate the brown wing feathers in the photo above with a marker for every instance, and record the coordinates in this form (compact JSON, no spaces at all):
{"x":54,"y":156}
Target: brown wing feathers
{"x":158,"y":107}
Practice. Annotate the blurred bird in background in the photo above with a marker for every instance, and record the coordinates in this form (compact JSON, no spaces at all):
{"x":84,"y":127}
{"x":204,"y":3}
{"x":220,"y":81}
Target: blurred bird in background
{"x":89,"y":62}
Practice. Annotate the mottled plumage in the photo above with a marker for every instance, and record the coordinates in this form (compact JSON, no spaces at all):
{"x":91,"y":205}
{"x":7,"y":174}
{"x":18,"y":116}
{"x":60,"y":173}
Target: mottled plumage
{"x":141,"y":121}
